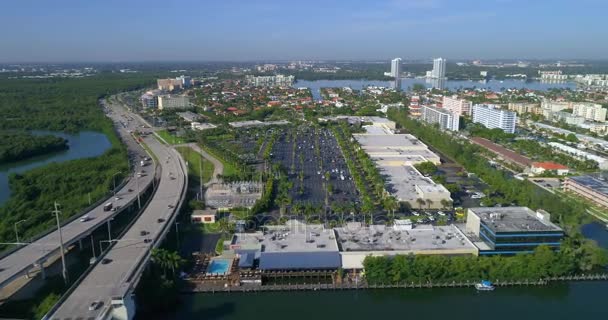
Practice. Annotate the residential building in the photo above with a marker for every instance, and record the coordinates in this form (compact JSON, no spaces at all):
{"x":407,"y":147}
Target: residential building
{"x":511,"y":230}
{"x":396,"y":67}
{"x":589,"y":111}
{"x":170,"y":84}
{"x":457,"y":106}
{"x":445,"y":119}
{"x":186,"y":81}
{"x":439,"y":68}
{"x":542,"y":167}
{"x":524,"y":107}
{"x":592,"y":188}
{"x":568,"y":118}
{"x":552,"y":75}
{"x":549,"y":107}
{"x":149,"y":100}
{"x":173,"y":102}
{"x":492,"y":117}
{"x":270,"y":81}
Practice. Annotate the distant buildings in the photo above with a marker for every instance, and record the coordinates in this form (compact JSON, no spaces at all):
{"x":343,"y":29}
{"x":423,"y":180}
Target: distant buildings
{"x":589,"y":111}
{"x":270,"y":81}
{"x":552,"y":75}
{"x":171,"y":85}
{"x":439,"y":67}
{"x":396,"y":67}
{"x":592,"y":188}
{"x":446,"y":119}
{"x":524,"y":107}
{"x":457,"y":106}
{"x":173,"y":102}
{"x":492,"y":117}
{"x":149,"y":100}
{"x":512,"y":230}
{"x":548,"y":107}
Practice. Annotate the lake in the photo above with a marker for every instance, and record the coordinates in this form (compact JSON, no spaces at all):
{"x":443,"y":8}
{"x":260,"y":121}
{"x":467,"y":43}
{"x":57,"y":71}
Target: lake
{"x":407,"y":83}
{"x":86,"y":144}
{"x":574,"y":300}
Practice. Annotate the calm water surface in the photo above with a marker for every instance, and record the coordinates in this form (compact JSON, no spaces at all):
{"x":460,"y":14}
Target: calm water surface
{"x":407,"y":83}
{"x":85,"y":144}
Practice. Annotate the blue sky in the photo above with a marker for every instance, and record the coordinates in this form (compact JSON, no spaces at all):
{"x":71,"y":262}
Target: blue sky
{"x":136,"y":30}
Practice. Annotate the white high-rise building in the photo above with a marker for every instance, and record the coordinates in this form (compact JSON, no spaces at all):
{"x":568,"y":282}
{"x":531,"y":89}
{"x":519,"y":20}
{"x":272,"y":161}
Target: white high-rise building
{"x":457,"y":106}
{"x":492,"y":117}
{"x":438,"y":68}
{"x":445,"y":119}
{"x":589,"y":111}
{"x":396,"y":67}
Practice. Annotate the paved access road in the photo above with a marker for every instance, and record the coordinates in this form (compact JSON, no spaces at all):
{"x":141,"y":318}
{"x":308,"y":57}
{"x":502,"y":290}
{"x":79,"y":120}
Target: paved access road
{"x":118,"y":271}
{"x":218,"y":166}
{"x":17,"y":263}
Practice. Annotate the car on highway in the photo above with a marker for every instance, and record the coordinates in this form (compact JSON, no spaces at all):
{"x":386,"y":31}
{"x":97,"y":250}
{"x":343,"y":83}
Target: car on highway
{"x":106,"y":260}
{"x":95,"y":305}
{"x":85,"y":219}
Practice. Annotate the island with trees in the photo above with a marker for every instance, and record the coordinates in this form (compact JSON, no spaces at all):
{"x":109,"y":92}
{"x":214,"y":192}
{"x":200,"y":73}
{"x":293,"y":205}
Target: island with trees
{"x":17,"y":146}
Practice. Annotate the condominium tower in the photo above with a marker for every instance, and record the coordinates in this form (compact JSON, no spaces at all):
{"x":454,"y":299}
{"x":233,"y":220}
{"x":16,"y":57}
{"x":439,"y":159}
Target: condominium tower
{"x":457,"y":106}
{"x":445,"y":119}
{"x":396,"y":67}
{"x":438,"y":68}
{"x":493,"y":117}
{"x":589,"y":111}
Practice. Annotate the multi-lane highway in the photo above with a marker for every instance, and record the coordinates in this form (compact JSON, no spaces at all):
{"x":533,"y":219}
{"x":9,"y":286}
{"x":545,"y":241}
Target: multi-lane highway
{"x":106,"y":290}
{"x":22,"y":260}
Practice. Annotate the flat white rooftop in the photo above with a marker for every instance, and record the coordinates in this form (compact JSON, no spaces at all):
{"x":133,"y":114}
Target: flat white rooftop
{"x":295,"y":236}
{"x":355,"y":237}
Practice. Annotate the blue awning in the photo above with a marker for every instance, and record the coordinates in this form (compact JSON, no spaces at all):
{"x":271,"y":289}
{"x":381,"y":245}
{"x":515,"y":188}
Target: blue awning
{"x":299,"y":260}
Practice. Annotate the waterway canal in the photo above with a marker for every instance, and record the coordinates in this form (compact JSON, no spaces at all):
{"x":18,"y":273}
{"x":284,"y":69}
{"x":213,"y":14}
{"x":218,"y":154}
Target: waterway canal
{"x":86,"y":144}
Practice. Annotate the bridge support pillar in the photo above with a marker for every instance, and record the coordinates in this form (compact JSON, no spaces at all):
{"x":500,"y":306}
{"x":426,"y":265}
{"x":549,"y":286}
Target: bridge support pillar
{"x":80,"y":244}
{"x":124,"y":308}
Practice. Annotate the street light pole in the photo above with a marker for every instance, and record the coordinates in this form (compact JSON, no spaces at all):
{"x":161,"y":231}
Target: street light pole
{"x":137,"y":185}
{"x":64,"y":271}
{"x":16,"y":230}
{"x":114,"y":181}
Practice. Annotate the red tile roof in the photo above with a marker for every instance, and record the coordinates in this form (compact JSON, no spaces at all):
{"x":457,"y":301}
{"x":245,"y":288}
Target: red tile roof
{"x":549,"y":166}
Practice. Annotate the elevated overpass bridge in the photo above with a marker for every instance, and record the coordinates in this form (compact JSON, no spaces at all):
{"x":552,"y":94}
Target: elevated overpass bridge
{"x":112,"y":281}
{"x":33,"y":256}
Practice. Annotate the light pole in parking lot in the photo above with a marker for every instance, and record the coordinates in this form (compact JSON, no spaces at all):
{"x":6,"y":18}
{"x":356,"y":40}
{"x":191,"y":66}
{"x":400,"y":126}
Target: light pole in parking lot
{"x":64,"y":271}
{"x":17,"y":230}
{"x":114,"y":180}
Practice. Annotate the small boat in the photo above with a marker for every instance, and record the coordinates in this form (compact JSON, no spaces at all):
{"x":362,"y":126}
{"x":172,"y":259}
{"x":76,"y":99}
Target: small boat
{"x":484,"y":285}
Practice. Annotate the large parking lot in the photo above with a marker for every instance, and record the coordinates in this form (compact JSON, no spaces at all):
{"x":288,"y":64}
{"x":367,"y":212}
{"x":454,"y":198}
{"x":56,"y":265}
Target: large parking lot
{"x":309,"y":155}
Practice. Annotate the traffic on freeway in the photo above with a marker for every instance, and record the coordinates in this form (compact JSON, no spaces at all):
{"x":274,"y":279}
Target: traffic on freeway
{"x":118,"y":271}
{"x":17,"y":263}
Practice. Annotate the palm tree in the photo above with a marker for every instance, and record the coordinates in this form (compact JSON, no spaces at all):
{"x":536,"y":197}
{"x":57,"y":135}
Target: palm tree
{"x":174,"y":261}
{"x":445,"y":203}
{"x":161,"y":258}
{"x":391,"y":204}
{"x":420,"y":202}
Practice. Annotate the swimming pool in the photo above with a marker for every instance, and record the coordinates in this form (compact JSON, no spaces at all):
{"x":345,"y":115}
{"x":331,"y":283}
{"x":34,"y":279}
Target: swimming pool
{"x":219,"y":266}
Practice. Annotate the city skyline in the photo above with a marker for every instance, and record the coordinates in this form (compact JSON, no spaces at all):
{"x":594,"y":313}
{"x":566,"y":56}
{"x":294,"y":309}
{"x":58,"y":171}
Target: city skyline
{"x":115,"y":31}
